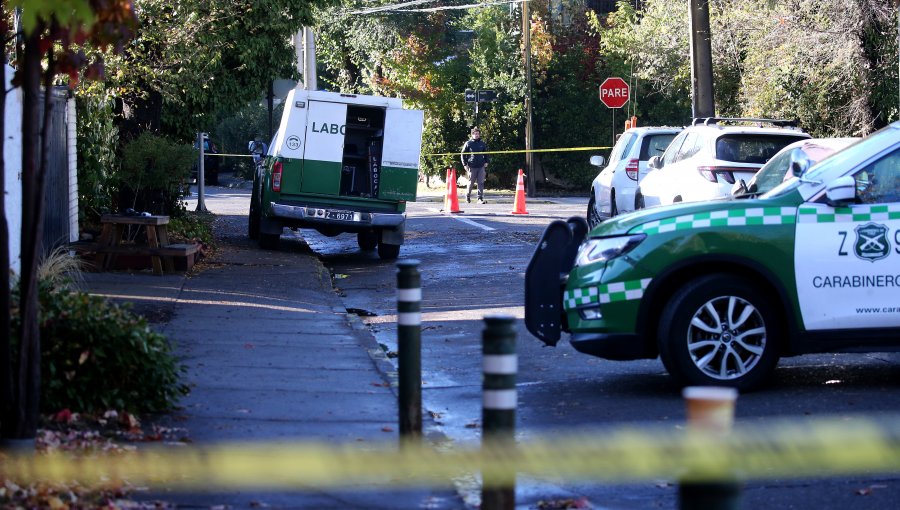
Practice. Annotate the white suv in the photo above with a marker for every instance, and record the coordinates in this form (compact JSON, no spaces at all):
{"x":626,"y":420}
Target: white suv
{"x":612,"y":191}
{"x":708,"y":157}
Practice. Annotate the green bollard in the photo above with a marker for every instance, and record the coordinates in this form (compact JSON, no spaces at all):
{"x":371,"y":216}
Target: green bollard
{"x":409,"y":348}
{"x":498,"y":413}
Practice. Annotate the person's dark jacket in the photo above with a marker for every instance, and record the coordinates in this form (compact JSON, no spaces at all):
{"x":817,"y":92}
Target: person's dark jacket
{"x":474,"y":160}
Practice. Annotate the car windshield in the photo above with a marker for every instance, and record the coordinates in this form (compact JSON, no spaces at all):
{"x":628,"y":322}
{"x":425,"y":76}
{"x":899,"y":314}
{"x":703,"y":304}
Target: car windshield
{"x":751,"y":147}
{"x":772,"y":173}
{"x":838,"y":159}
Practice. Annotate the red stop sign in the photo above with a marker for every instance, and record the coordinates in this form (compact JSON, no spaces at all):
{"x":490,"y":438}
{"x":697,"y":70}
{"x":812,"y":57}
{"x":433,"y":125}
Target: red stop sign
{"x":614,"y":92}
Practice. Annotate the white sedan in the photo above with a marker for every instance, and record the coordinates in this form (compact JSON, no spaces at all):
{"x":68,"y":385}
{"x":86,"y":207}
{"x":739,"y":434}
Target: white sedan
{"x":612,"y":191}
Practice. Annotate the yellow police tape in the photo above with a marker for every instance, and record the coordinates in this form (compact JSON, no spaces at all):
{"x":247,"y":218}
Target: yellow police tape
{"x":779,"y":449}
{"x":567,"y":149}
{"x":519,"y":151}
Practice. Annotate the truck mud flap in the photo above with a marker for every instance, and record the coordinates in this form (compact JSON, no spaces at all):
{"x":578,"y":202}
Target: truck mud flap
{"x":553,"y":258}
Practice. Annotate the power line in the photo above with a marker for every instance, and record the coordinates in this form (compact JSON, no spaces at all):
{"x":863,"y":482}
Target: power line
{"x":398,"y":8}
{"x":468,"y":6}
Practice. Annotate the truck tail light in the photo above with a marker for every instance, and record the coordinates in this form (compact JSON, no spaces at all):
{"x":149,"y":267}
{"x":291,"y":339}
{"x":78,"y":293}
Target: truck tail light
{"x":631,"y":169}
{"x":276,"y":176}
{"x":710,"y":173}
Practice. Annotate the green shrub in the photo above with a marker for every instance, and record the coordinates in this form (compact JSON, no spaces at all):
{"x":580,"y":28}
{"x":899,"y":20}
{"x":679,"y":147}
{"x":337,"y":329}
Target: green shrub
{"x":98,"y":137}
{"x":154,"y":170}
{"x":192,"y":226}
{"x":96,"y":356}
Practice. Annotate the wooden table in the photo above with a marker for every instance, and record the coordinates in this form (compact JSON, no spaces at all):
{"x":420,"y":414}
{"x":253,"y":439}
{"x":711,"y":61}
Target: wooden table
{"x":157,"y":232}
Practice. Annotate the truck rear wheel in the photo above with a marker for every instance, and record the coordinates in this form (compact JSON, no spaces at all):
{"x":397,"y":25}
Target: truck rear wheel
{"x":268,"y":241}
{"x":253,"y":222}
{"x":388,"y":251}
{"x":367,"y":240}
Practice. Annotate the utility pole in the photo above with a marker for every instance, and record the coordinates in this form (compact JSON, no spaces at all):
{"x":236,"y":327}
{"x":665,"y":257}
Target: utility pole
{"x":702,"y":99}
{"x":529,"y":129}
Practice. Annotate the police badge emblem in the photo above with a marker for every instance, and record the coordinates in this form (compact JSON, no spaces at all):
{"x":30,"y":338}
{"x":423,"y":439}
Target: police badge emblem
{"x":872,"y":242}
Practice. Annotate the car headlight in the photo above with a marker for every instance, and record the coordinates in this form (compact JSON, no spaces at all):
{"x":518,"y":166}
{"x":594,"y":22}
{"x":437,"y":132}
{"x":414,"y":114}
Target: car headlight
{"x":606,"y":248}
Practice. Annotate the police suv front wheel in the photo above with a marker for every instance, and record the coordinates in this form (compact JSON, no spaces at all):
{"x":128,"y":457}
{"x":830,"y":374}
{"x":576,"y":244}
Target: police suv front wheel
{"x":719,"y":330}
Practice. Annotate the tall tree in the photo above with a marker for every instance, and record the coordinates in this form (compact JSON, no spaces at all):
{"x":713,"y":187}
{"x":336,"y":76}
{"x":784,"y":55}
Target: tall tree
{"x":52,"y":35}
{"x":194,"y":62}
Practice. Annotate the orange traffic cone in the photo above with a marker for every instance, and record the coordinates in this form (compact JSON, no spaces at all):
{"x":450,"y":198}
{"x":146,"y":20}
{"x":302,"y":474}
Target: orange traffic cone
{"x":446,"y":205}
{"x":451,"y":201}
{"x":520,"y":195}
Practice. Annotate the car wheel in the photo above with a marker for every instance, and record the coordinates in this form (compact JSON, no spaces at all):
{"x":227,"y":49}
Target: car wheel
{"x":593,"y":217}
{"x":367,"y":240}
{"x":268,"y":241}
{"x":639,"y":202}
{"x":613,"y":209}
{"x":719,"y":330}
{"x":388,"y":251}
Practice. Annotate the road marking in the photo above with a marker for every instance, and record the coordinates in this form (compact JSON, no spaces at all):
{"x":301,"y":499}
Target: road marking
{"x":466,"y":220}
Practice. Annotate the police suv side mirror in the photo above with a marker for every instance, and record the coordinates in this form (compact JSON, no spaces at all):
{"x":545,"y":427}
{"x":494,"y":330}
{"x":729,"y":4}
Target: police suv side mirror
{"x":597,"y":160}
{"x":799,"y":162}
{"x":655,"y":163}
{"x":841,"y":191}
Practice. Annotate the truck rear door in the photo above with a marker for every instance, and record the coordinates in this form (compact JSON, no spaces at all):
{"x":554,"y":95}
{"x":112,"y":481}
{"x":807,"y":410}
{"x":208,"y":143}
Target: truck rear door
{"x":399,"y":173}
{"x":324,"y":148}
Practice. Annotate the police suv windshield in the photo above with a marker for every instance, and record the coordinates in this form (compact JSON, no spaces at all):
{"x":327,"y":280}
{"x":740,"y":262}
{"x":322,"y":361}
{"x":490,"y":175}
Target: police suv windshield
{"x":840,"y":159}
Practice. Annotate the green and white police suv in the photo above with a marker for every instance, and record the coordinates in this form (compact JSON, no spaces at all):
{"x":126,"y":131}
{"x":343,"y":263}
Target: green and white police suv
{"x":339,"y":163}
{"x":721,"y":290}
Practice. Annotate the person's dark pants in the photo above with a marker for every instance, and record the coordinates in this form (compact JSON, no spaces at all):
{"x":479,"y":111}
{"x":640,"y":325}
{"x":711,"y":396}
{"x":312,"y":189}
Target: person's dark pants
{"x":476,"y":175}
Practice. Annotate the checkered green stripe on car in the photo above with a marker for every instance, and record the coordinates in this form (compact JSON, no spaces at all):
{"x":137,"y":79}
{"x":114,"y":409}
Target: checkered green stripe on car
{"x":726,"y":218}
{"x":881,"y":212}
{"x":607,"y":293}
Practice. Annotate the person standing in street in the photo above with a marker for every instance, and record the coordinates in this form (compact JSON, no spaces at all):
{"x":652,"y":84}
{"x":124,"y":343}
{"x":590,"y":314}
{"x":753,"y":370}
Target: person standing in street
{"x":475,"y":163}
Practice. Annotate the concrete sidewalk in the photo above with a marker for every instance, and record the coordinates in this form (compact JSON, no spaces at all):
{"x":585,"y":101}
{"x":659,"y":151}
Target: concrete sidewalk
{"x":271,"y":355}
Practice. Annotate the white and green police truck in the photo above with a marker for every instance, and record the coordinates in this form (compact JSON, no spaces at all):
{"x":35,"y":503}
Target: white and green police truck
{"x":339,"y":163}
{"x":721,"y":290}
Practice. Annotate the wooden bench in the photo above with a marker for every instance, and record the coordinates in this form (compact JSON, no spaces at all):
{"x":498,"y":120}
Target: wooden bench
{"x":158,"y":248}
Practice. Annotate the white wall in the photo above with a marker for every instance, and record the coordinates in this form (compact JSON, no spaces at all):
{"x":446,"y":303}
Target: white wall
{"x":12,"y":158}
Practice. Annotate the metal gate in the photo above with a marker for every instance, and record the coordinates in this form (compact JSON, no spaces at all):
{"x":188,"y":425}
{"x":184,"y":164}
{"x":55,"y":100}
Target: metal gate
{"x":56,"y":190}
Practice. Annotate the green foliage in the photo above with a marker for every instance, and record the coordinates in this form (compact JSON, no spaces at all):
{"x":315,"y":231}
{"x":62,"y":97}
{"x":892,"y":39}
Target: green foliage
{"x":198,"y":61}
{"x":97,"y":159}
{"x":97,"y":356}
{"x":233,"y":133}
{"x":192,"y":226}
{"x":152,"y":174}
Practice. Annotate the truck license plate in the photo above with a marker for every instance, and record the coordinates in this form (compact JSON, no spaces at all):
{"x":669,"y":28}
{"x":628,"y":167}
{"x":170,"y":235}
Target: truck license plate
{"x":339,"y":215}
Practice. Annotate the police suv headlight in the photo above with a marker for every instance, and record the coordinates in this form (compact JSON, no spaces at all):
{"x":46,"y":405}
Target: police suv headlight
{"x":606,"y":248}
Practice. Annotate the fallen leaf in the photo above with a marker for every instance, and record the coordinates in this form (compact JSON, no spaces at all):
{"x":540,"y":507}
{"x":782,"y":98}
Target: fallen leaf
{"x":56,"y":504}
{"x":868,"y":490}
{"x":249,"y":346}
{"x":63,"y":416}
{"x":387,"y":429}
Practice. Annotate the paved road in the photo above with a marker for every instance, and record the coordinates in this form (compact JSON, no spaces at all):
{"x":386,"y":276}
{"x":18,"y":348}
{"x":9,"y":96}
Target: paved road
{"x":473,"y":264}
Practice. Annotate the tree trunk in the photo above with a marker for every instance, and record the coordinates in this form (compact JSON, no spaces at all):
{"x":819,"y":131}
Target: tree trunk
{"x":28,"y":372}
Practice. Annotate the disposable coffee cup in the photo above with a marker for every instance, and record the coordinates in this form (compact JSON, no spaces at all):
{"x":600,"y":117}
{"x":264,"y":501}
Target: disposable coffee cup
{"x":710,"y":408}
